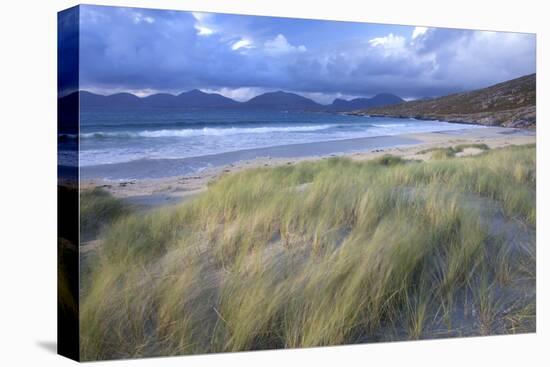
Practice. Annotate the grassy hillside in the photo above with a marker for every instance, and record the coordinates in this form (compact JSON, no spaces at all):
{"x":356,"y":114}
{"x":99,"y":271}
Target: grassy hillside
{"x":321,"y":253}
{"x":511,"y":103}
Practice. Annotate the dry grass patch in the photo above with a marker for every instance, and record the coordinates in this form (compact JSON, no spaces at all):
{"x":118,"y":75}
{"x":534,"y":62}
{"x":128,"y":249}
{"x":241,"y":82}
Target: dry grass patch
{"x":361,"y":252}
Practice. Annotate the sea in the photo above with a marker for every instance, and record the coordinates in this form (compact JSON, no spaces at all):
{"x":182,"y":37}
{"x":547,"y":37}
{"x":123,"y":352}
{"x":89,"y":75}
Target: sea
{"x":166,"y":142}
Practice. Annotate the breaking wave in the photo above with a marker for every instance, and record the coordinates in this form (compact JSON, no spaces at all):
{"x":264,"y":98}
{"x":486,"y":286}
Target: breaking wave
{"x":207,"y":131}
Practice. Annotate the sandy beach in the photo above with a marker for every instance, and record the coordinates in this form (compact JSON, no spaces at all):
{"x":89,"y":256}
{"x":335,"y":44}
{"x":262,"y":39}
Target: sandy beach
{"x":148,"y":193}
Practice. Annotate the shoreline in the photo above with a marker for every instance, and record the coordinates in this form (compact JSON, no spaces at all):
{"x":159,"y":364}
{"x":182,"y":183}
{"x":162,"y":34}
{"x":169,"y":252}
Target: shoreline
{"x":148,"y":193}
{"x":166,"y":168}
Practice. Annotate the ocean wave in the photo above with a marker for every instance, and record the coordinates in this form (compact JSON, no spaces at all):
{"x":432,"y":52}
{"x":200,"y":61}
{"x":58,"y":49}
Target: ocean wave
{"x":207,"y":131}
{"x":389,"y":125}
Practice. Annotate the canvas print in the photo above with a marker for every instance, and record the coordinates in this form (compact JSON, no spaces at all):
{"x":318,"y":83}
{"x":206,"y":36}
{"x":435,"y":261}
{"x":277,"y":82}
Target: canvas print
{"x":234,"y":183}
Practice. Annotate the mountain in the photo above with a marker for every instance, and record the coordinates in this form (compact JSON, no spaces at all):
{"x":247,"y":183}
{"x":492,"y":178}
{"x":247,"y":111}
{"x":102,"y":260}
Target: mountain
{"x":511,"y":104}
{"x":282,"y":101}
{"x":192,"y":99}
{"x":120,"y":100}
{"x":276,"y":101}
{"x":383,"y":99}
{"x":160,"y":100}
{"x":197,"y":98}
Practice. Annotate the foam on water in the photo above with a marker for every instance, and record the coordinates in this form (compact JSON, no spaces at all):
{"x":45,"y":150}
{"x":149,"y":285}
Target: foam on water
{"x":206,"y":131}
{"x":118,"y":138}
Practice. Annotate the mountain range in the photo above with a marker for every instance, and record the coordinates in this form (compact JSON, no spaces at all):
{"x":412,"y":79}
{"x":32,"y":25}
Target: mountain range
{"x":511,"y":104}
{"x":281,"y":101}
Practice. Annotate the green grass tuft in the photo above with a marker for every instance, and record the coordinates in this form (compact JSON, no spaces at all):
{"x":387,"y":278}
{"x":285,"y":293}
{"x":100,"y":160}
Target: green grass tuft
{"x":389,"y":160}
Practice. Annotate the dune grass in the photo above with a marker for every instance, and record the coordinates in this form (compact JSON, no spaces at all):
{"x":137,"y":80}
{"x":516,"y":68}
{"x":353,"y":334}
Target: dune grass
{"x":98,"y":208}
{"x":448,"y":152}
{"x":319,"y":253}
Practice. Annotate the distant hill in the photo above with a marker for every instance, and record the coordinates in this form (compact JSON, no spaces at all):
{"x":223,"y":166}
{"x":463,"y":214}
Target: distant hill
{"x":119,"y":99}
{"x":192,"y":99}
{"x":383,"y":99}
{"x":197,"y":98}
{"x":277,"y":101}
{"x":511,"y":103}
{"x":282,"y":101}
{"x":160,"y":100}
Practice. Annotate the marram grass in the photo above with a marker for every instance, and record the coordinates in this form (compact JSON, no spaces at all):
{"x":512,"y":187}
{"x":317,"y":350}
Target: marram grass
{"x":443,"y":153}
{"x":319,"y":253}
{"x":97,"y":209}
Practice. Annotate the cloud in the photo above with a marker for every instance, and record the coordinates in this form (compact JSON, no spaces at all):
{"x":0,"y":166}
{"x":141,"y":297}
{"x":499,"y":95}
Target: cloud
{"x":238,"y":94}
{"x":139,"y":18}
{"x":178,"y":51}
{"x":242,"y":43}
{"x":200,"y":16}
{"x":201,"y":24}
{"x":418,"y":31}
{"x":390,"y":41}
{"x":68,"y":41}
{"x":279,"y":45}
{"x":203,"y":31}
{"x":389,"y":45}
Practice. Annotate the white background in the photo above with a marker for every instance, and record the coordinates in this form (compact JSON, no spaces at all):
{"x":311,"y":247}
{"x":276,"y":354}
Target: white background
{"x":28,"y":181}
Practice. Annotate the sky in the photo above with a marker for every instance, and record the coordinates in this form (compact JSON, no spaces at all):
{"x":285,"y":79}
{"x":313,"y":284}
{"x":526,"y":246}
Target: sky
{"x":146,"y":51}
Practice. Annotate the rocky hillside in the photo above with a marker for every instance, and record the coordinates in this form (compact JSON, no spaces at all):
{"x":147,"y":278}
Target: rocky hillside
{"x":511,"y":104}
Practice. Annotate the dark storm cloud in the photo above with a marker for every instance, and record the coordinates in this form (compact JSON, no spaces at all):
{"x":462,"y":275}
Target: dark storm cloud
{"x":153,"y":50}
